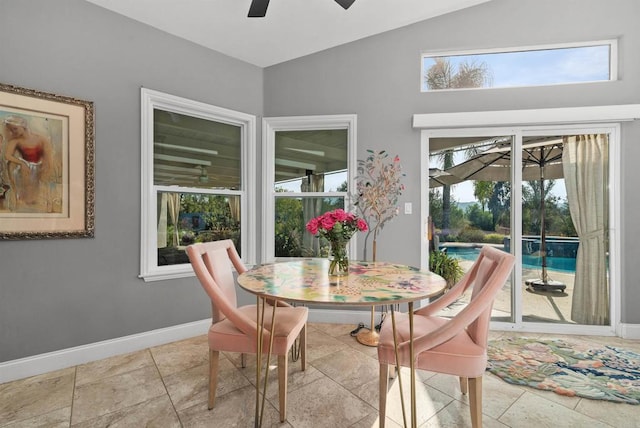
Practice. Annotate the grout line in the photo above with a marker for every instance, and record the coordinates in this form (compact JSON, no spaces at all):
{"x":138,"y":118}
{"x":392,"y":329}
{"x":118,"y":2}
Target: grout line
{"x":164,"y":385}
{"x":73,"y":393}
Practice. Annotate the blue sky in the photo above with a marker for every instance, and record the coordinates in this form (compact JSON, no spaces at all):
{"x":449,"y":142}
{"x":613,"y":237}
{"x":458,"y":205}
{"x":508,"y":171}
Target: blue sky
{"x":541,"y":67}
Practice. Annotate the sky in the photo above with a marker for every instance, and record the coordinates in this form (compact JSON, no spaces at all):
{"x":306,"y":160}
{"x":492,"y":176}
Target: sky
{"x":540,"y":67}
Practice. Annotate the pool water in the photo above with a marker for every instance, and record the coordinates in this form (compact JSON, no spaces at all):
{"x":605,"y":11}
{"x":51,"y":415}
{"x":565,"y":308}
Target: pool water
{"x":560,"y":264}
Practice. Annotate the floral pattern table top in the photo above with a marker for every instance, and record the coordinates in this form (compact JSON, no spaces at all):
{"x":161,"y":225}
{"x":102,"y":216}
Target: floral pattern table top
{"x":367,"y":282}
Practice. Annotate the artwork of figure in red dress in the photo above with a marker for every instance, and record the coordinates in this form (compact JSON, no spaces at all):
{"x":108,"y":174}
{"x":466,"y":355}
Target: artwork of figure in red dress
{"x":31,"y":170}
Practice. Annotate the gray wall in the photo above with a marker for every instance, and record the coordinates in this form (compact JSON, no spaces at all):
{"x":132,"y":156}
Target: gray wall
{"x":56,"y":294}
{"x":379,"y":79}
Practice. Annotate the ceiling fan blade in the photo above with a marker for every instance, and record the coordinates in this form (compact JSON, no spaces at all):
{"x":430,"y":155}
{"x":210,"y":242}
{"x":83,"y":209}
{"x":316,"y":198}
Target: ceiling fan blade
{"x":345,"y":3}
{"x":258,"y":8}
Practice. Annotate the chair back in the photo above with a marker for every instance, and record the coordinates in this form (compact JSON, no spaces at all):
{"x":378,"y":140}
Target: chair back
{"x":487,"y":276}
{"x":211,"y":262}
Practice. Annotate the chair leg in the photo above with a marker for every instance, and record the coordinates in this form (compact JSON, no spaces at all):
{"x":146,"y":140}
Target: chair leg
{"x":213,"y":376}
{"x":283,"y":362}
{"x":382,"y":394}
{"x":475,"y":401}
{"x":303,"y":348}
{"x":464,"y":385}
{"x":243,"y":360}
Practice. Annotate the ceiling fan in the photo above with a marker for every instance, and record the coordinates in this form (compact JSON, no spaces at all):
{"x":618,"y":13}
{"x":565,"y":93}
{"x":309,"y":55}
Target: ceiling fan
{"x":258,"y":8}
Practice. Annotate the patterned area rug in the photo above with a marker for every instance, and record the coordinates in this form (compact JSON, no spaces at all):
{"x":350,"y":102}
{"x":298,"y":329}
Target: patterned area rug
{"x":568,"y":367}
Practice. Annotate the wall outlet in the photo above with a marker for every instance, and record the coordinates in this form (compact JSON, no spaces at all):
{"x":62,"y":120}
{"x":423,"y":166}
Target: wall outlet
{"x":408,"y":208}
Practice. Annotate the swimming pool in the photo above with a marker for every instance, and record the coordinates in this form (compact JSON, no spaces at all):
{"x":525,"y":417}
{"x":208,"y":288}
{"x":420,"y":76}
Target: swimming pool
{"x":560,"y":264}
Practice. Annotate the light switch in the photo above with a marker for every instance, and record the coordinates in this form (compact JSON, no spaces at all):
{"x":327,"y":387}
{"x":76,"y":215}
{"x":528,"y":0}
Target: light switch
{"x":408,"y":209}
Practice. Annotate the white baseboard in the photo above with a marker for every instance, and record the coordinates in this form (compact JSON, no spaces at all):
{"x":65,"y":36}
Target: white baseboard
{"x":56,"y":360}
{"x":628,"y":331}
{"x":337,"y":316}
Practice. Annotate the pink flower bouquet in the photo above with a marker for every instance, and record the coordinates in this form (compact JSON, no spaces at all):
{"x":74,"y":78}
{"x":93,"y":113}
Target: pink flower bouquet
{"x":336,"y":225}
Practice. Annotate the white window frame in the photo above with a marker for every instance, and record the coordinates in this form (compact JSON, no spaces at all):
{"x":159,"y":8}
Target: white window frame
{"x":270,"y":126}
{"x":613,"y":61}
{"x":150,"y":100}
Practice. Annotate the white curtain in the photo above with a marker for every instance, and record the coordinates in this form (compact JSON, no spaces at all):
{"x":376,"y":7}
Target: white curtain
{"x":585,"y":165}
{"x":173,"y":203}
{"x":234,"y":207}
{"x":162,"y":222}
{"x":311,"y":208}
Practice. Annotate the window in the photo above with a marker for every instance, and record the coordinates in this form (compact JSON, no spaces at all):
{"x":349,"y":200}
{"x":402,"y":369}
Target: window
{"x":197,"y":170}
{"x":532,"y":66}
{"x":309,"y":167}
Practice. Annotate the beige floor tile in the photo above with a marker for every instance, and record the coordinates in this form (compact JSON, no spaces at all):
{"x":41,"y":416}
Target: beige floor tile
{"x":497,"y":395}
{"x":115,"y":393}
{"x":325,"y":403}
{"x":620,"y":415}
{"x":155,"y":413}
{"x":233,"y":410}
{"x":112,"y":366}
{"x":320,"y":344}
{"x":56,"y":419}
{"x":191,"y":386}
{"x":36,"y":396}
{"x":177,"y":356}
{"x":457,"y":415}
{"x":533,"y":411}
{"x":348,"y":368}
{"x":373,"y":421}
{"x":429,"y":401}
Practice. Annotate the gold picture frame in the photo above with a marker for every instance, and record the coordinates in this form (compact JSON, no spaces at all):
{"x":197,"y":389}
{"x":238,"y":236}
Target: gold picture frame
{"x":46,"y":165}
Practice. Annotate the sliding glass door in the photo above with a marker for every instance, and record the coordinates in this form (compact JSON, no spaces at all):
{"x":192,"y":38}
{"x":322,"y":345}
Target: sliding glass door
{"x":543,"y":195}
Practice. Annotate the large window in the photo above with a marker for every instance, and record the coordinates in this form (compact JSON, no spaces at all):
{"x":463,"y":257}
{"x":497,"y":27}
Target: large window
{"x":527,"y":66}
{"x":309,"y":166}
{"x":197,"y":163}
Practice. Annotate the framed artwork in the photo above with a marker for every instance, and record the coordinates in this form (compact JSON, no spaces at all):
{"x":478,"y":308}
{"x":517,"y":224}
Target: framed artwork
{"x":46,"y":165}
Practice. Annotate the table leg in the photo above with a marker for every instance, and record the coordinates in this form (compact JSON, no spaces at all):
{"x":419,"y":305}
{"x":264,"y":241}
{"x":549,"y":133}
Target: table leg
{"x":395,"y":349}
{"x":260,"y":337}
{"x":414,"y":417}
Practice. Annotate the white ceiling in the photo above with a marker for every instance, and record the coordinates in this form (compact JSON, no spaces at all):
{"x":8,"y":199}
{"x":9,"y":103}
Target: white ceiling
{"x":291,"y":29}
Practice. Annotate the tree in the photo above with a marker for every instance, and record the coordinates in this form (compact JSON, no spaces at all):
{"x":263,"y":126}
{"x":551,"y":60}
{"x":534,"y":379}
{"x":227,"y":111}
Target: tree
{"x":470,"y":74}
{"x":500,"y":204}
{"x":483,"y":190}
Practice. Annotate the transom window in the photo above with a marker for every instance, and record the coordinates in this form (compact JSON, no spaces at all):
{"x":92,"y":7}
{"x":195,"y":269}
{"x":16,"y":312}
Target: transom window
{"x":196,"y":167}
{"x":531,"y":66}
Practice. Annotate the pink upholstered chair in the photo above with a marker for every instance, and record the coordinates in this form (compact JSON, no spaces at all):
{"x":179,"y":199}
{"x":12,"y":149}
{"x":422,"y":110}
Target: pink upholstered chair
{"x":457,"y":345}
{"x":233,"y":328}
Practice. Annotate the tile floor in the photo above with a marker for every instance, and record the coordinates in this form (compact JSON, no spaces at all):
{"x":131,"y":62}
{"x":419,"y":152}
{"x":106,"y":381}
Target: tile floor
{"x":166,"y":386}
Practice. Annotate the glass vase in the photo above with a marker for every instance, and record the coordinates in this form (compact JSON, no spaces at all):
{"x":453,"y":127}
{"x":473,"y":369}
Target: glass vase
{"x":338,"y":258}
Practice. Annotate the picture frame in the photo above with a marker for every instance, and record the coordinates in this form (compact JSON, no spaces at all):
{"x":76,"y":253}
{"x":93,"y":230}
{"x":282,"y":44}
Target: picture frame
{"x":46,"y":165}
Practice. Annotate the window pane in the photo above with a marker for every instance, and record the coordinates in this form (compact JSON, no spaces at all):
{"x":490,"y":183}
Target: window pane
{"x":470,"y":206}
{"x":192,"y":152}
{"x":186,"y":218}
{"x":565,"y":190}
{"x":517,"y":68}
{"x":291,"y":216}
{"x":311,"y":161}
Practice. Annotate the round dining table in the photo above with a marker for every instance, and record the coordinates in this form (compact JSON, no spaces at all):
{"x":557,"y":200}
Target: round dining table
{"x":366,"y":284}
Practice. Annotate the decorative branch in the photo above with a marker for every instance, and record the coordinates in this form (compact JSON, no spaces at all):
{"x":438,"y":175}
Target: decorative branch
{"x":378,"y":188}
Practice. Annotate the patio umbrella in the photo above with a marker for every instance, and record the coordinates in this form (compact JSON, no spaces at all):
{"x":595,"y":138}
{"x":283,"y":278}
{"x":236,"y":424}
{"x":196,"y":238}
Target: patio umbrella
{"x":541,"y":160}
